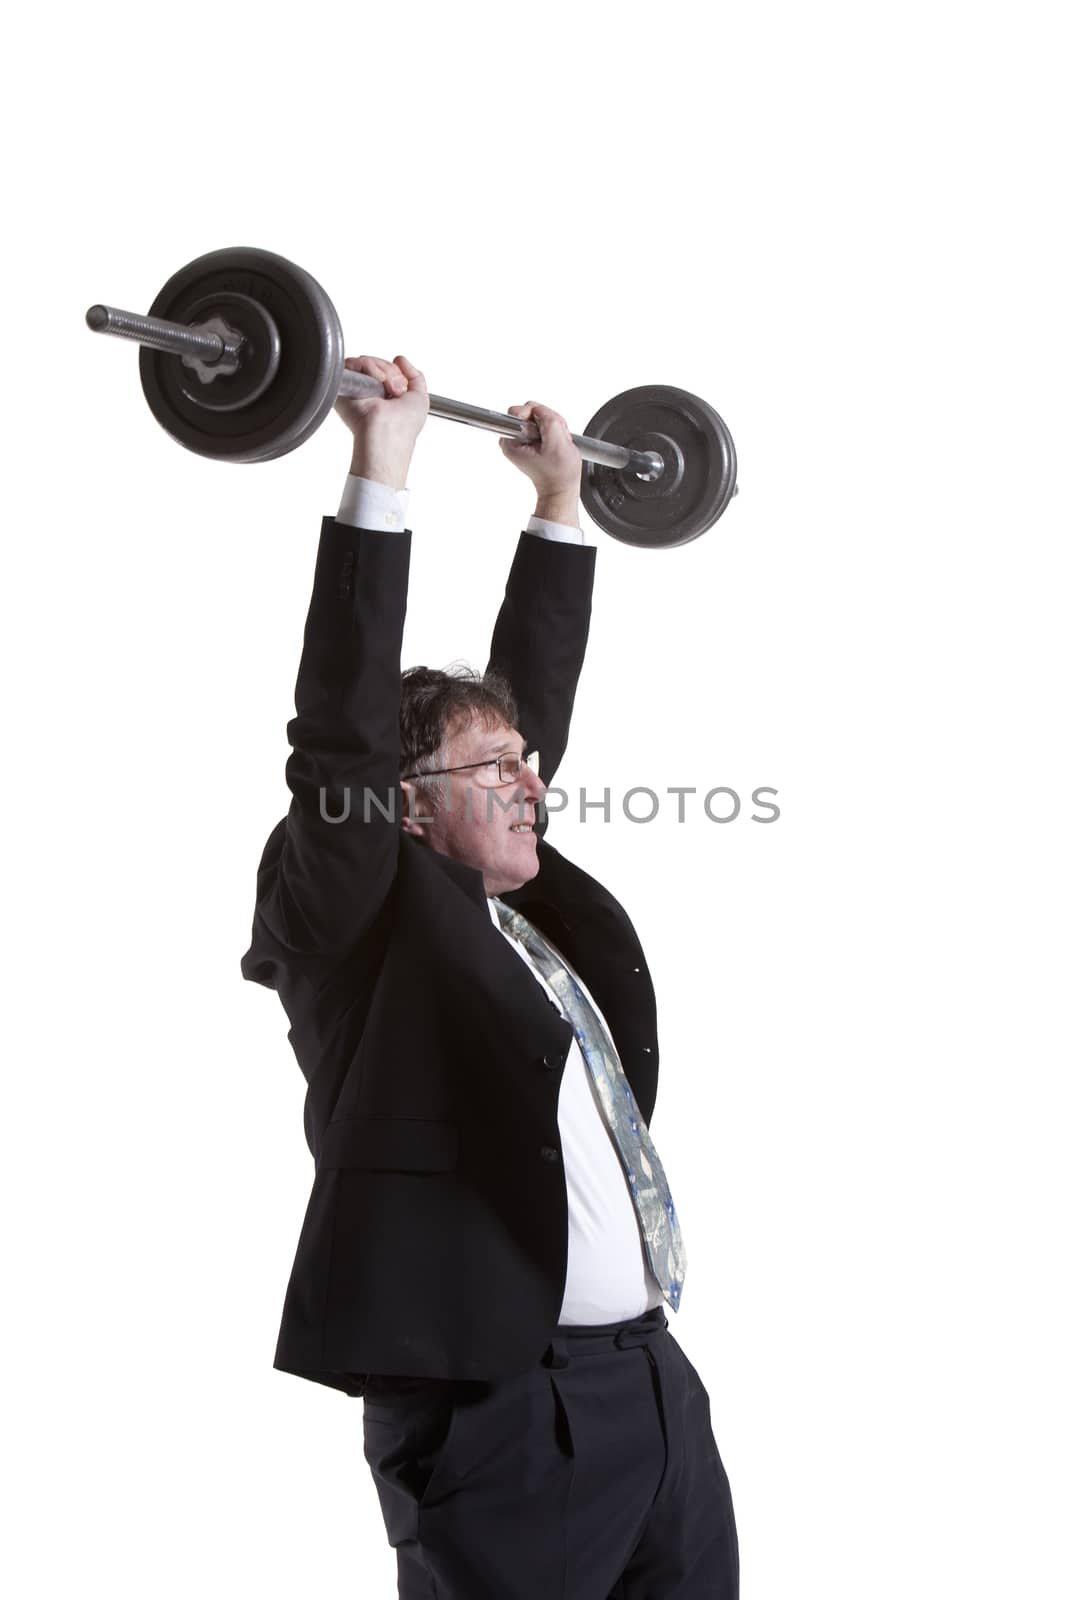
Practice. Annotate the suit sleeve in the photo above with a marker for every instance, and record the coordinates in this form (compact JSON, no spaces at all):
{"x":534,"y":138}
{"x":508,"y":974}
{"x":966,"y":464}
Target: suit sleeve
{"x":329,"y":865}
{"x":540,"y":638}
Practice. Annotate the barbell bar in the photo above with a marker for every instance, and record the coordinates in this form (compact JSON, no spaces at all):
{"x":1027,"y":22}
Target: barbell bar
{"x":198,"y":345}
{"x":243,"y":357}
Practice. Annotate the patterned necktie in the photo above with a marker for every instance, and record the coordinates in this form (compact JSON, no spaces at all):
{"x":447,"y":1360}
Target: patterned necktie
{"x":647,"y":1183}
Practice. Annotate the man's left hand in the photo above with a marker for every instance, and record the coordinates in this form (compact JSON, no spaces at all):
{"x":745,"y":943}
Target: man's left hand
{"x":552,"y":462}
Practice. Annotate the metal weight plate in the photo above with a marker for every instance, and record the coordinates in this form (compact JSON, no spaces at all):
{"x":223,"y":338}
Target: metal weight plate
{"x":289,"y":378}
{"x":699,"y":476}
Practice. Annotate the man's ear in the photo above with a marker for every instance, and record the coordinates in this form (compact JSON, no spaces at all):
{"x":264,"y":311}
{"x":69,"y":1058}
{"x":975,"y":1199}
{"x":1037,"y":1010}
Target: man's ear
{"x":415,"y":812}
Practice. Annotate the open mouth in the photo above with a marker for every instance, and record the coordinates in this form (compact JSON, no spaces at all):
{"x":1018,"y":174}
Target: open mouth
{"x":521,"y":827}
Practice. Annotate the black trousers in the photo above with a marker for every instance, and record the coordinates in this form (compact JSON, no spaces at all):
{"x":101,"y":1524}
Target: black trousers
{"x":592,"y":1476}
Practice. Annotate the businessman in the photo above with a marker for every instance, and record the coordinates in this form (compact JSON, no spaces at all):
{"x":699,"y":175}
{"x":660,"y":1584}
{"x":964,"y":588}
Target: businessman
{"x":491,"y":1239}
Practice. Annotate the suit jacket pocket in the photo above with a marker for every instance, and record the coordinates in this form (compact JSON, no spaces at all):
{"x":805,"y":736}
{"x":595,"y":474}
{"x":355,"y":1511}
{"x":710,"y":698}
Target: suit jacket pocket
{"x":393,"y":1144}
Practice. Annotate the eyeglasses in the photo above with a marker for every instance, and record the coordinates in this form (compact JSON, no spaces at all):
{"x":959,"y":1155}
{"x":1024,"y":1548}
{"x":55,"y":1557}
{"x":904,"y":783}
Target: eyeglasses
{"x":508,"y":768}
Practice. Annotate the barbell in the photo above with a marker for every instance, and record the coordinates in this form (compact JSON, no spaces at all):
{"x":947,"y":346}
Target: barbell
{"x":243,"y":357}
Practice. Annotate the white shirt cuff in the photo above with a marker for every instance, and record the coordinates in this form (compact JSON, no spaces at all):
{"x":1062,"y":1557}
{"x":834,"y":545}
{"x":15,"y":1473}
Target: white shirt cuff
{"x":560,"y":532}
{"x":367,"y":504}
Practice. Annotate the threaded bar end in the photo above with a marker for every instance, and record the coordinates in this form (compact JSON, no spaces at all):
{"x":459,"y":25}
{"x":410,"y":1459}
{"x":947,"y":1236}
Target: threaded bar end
{"x":173,"y":337}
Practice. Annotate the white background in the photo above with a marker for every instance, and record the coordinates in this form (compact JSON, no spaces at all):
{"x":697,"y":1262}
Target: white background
{"x":859,"y":230}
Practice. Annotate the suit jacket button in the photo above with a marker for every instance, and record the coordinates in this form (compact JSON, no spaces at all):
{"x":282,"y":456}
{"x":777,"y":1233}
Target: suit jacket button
{"x":555,"y":1063}
{"x":549,"y":1152}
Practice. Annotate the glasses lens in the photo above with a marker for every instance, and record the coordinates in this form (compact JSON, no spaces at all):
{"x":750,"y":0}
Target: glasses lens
{"x":512,"y":766}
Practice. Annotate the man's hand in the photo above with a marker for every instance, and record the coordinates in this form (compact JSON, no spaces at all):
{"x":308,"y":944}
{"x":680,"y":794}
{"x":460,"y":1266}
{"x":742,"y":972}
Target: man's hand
{"x":385,"y":429}
{"x":552,"y":463}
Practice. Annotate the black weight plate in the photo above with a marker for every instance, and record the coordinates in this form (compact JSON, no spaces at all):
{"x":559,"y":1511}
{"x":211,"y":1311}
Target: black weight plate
{"x":304,"y":386}
{"x":699,"y":475}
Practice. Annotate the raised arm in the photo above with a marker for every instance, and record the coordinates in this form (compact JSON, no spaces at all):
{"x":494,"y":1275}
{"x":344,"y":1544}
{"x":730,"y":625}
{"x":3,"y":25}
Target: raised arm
{"x":542,"y":629}
{"x":329,"y":865}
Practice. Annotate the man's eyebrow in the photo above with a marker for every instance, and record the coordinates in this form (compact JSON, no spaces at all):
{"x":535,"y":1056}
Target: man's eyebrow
{"x":501,"y":745}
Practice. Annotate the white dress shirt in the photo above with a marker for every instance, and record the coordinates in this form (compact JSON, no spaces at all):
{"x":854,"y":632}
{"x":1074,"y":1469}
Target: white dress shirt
{"x":367,"y":504}
{"x":607,"y":1278}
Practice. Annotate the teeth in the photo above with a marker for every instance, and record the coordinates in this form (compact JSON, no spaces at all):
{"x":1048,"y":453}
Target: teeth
{"x":521,"y":827}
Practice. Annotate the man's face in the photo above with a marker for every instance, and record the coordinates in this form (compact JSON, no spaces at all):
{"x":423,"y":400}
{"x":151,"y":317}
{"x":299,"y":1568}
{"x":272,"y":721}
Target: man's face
{"x":477,"y":821}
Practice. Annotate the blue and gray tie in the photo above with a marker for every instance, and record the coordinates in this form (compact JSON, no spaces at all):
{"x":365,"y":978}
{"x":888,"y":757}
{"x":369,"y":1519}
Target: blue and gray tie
{"x":642,"y":1166}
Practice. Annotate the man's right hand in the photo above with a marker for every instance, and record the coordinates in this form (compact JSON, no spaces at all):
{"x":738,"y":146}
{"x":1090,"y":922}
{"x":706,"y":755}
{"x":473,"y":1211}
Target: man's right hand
{"x":385,"y":428}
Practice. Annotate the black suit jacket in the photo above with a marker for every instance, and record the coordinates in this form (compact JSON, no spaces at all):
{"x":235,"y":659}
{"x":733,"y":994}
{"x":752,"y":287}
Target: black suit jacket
{"x":435,"y":1239}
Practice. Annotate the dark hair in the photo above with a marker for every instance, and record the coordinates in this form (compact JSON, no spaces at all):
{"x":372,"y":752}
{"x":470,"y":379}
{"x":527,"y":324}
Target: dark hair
{"x":436,"y":706}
